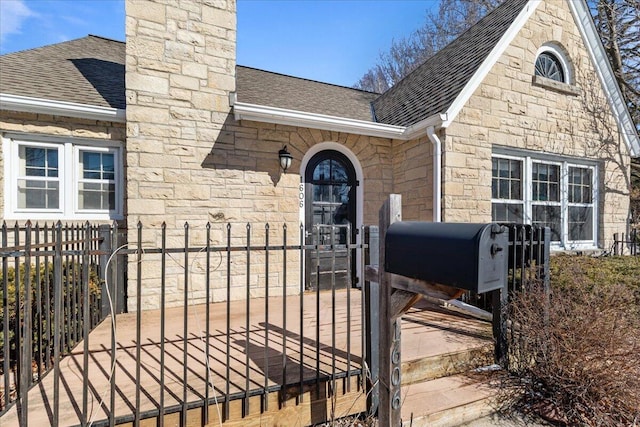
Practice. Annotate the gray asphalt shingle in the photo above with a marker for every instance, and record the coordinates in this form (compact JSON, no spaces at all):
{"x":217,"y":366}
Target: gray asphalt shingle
{"x":433,"y":86}
{"x":89,"y":70}
{"x":277,"y":90}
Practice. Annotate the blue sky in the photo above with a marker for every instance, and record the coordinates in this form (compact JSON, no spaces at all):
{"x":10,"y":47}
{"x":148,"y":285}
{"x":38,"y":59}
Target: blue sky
{"x":334,"y":41}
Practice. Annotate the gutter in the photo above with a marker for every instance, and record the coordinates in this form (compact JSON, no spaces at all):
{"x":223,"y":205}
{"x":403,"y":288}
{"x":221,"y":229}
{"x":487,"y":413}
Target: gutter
{"x":262,"y":113}
{"x":60,"y":108}
{"x":437,"y":173}
{"x":284,"y":116}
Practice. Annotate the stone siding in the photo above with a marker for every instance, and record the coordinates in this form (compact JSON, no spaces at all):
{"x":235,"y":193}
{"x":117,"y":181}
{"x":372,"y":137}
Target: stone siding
{"x":48,"y":125}
{"x":413,"y":178}
{"x":509,"y":110}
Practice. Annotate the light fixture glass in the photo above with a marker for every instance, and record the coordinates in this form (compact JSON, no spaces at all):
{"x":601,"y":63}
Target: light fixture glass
{"x":285,"y":158}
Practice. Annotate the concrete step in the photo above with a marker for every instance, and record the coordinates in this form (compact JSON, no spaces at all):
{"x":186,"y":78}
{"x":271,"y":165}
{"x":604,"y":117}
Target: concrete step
{"x":446,"y":402}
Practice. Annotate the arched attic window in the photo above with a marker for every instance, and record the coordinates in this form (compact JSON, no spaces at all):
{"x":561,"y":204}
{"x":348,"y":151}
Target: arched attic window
{"x":547,"y":65}
{"x":554,"y":70}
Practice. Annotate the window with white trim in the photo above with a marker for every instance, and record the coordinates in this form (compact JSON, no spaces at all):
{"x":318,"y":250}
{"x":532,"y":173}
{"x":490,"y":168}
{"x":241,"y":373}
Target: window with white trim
{"x":553,"y":62}
{"x":52,"y":178}
{"x":559,"y":194}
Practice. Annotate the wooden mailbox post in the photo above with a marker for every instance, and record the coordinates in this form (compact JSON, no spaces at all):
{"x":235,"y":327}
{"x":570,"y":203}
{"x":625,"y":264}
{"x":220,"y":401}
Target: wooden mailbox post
{"x":483,"y":247}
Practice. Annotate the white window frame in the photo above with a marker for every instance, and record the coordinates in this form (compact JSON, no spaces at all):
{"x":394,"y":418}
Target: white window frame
{"x":558,"y":52}
{"x":15,"y":163}
{"x":527,"y":164}
{"x":523,"y":190}
{"x":68,"y":175}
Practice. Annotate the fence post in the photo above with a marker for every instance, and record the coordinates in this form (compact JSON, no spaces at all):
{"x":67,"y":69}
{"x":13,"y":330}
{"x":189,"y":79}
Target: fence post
{"x":26,"y":375}
{"x":546,"y":250}
{"x":499,"y":300}
{"x":371,"y":334}
{"x":105,"y":249}
{"x":57,"y":314}
{"x":390,"y":400}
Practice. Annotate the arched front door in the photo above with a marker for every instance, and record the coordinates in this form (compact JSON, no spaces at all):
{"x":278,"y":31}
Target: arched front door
{"x":330,"y":217}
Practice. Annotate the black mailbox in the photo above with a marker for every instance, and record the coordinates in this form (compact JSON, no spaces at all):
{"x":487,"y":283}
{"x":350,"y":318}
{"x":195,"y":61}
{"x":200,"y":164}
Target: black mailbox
{"x":467,"y":256}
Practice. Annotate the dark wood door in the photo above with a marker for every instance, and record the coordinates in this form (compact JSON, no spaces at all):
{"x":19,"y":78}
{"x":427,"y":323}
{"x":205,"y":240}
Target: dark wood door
{"x":330,"y":193}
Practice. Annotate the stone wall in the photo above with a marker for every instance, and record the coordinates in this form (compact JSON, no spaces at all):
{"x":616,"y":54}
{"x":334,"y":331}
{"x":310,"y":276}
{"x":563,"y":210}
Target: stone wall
{"x":413,"y":178}
{"x":509,"y":110}
{"x":188,"y":160}
{"x":57,"y":126}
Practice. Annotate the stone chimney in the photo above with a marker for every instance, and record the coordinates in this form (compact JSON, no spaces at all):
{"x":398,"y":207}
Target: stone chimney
{"x":180,"y":69}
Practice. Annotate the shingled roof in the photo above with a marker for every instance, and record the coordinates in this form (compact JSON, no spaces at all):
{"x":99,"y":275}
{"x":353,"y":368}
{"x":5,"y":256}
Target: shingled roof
{"x":433,"y":86}
{"x":277,"y":90}
{"x":89,"y":70}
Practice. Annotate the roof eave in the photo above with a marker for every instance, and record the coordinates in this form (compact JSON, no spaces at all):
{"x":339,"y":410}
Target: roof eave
{"x":283,"y":116}
{"x":419,"y":129}
{"x":60,"y":108}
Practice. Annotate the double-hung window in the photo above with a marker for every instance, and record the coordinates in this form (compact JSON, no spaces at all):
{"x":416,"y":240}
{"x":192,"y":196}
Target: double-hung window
{"x":52,"y":178}
{"x":551,"y":192}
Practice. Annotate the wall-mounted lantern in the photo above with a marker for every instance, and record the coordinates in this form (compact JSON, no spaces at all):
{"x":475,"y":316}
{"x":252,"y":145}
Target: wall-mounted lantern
{"x":285,"y":158}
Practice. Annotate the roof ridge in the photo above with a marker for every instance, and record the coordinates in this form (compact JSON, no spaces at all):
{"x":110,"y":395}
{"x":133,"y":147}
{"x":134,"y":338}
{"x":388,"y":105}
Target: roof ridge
{"x":102,"y":38}
{"x":88,"y":36}
{"x":307,"y":79}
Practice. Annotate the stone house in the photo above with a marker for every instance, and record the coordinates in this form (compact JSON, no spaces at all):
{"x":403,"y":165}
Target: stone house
{"x":519,"y":119}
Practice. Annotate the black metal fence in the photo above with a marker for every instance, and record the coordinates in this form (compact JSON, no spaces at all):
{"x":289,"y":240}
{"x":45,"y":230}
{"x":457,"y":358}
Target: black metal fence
{"x":626,"y":244}
{"x":292,"y":339}
{"x":50,"y":289}
{"x":529,"y":251}
{"x":266,"y":330}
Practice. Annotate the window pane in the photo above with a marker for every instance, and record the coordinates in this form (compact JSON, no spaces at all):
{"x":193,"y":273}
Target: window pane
{"x":506,"y":182}
{"x":97,"y":165}
{"x":338,"y":171}
{"x":322,"y":193}
{"x":548,"y":216}
{"x":506,"y":212}
{"x":321,"y":172}
{"x":545,"y":182}
{"x":547,"y":65}
{"x":38,"y":194}
{"x":580,"y":223}
{"x":96,"y":196}
{"x":38,"y":161}
{"x":580,"y":185}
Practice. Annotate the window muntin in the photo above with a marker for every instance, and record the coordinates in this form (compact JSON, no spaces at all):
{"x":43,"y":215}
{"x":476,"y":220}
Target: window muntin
{"x":56,"y":178}
{"x":549,"y":66}
{"x":557,"y":195}
{"x":580,"y":202}
{"x":96,"y":185}
{"x":38,"y":177}
{"x":545,"y":197}
{"x":507,"y":187}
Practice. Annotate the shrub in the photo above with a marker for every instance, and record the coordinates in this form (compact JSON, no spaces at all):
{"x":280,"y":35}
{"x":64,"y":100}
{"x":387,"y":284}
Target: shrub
{"x":72,"y":278}
{"x":577,"y":359}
